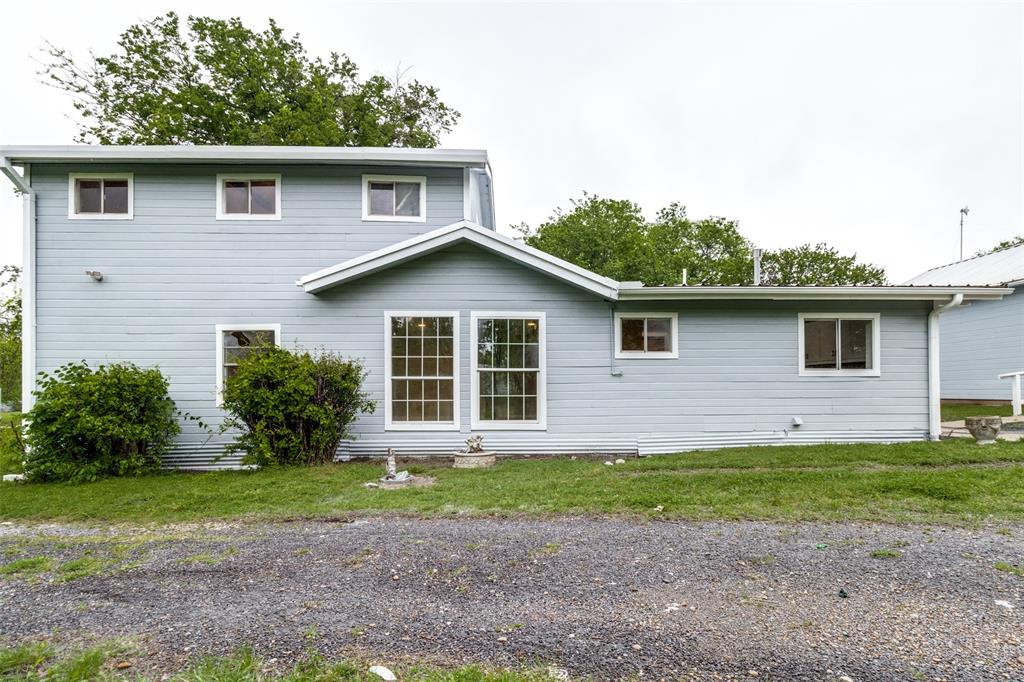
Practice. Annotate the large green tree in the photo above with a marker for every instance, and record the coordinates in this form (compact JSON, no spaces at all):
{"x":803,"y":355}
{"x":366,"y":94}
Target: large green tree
{"x":612,"y":237}
{"x":10,"y":334}
{"x":220,"y":82}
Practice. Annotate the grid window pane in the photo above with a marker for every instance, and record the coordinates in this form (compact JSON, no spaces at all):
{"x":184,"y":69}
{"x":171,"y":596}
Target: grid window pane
{"x":508,"y":364}
{"x":236,"y":196}
{"x":382,"y":198}
{"x":263,"y":197}
{"x":115,"y":196}
{"x":89,"y":196}
{"x":422,"y":368}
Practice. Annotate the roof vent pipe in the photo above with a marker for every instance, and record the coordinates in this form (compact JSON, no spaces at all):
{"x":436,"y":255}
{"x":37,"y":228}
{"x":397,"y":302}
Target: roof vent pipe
{"x":684,"y":276}
{"x":757,"y":266}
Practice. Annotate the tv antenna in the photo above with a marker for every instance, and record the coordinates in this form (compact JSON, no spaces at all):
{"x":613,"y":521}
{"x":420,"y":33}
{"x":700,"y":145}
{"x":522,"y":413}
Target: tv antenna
{"x":963,"y":213}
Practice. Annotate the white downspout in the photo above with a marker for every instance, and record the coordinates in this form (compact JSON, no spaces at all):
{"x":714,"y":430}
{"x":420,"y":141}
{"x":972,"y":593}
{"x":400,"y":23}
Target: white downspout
{"x":28,"y":279}
{"x":934,"y":395}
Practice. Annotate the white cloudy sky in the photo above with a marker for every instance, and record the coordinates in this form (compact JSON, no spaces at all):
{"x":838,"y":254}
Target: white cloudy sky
{"x":864,"y":125}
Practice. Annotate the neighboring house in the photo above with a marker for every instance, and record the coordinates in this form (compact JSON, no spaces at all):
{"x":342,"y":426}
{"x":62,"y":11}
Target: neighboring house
{"x":982,"y":340}
{"x":183,"y":257}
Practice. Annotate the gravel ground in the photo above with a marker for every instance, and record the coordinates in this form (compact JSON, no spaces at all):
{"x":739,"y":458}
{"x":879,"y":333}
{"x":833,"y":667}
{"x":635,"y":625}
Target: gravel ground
{"x":606,"y":598}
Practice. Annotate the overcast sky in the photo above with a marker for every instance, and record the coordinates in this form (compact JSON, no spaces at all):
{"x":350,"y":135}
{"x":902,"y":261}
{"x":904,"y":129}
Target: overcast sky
{"x":866,"y":126}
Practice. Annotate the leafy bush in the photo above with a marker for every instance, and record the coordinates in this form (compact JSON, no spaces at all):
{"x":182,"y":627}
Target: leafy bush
{"x":11,"y":450}
{"x":293,"y":407}
{"x":115,"y":420}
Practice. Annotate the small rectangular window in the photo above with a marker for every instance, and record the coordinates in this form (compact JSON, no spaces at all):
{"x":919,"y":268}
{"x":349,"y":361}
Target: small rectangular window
{"x":839,"y":344}
{"x":396,"y":198}
{"x":100,"y":196}
{"x":248,"y":197}
{"x":650,"y":335}
{"x":235,"y":342}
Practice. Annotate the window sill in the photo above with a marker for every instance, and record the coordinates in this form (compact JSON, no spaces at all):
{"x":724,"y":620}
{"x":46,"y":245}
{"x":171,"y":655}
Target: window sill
{"x":393,"y":219}
{"x":100,"y":216}
{"x":421,"y":426}
{"x":246,"y":216}
{"x":508,"y":426}
{"x":644,"y":355}
{"x":840,"y":373}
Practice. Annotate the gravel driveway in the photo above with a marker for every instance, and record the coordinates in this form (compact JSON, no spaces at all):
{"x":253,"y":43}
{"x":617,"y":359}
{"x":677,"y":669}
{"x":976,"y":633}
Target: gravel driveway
{"x":607,"y":598}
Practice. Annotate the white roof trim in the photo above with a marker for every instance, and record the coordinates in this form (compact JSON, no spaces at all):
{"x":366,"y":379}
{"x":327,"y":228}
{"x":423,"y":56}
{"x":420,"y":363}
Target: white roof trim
{"x":377,"y":156}
{"x":837,"y":293}
{"x":440,"y":238}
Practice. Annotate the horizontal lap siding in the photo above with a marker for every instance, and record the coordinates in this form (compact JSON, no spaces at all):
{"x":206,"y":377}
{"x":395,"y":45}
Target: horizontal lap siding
{"x":170,"y":277}
{"x":978,"y":343}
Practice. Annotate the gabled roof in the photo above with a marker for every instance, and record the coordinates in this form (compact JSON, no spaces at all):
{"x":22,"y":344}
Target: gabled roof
{"x":462,"y":231}
{"x":379,"y":156}
{"x":1001,"y":267}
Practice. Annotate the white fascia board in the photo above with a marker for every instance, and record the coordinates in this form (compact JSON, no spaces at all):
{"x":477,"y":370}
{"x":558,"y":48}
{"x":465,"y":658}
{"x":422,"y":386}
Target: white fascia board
{"x":382,"y":156}
{"x":849,"y":293}
{"x":445,"y":236}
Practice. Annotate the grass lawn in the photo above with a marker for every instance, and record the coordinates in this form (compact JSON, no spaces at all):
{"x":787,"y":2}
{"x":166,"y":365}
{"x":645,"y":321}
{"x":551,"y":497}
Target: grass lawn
{"x":953,"y":481}
{"x":955,"y":412}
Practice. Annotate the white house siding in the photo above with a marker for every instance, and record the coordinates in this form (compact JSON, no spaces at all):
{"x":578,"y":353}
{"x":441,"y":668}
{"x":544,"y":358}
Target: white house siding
{"x":979,"y":342}
{"x":174,"y":272}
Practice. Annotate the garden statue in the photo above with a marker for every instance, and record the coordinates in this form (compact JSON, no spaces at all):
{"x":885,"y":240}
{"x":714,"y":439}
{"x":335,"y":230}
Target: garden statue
{"x":392,"y":468}
{"x":475,"y":444}
{"x":474,"y":456}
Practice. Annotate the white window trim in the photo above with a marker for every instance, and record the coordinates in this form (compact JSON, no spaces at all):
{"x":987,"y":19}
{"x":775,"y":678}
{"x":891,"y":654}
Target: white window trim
{"x":389,"y":424}
{"x":241,"y":326}
{"x":542,"y":375}
{"x":641,"y":354}
{"x":368,"y":217}
{"x":876,"y":345}
{"x":245,"y":177}
{"x":72,"y":199}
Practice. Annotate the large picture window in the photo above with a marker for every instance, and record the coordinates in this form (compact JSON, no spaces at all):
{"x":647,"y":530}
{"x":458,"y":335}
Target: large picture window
{"x":839,"y":344}
{"x":235,"y":342}
{"x":509,"y":370}
{"x":422,"y":371}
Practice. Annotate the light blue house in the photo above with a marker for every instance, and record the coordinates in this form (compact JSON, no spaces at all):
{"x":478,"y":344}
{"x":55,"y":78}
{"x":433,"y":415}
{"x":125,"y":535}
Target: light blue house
{"x":985,"y":339}
{"x":182,"y":257}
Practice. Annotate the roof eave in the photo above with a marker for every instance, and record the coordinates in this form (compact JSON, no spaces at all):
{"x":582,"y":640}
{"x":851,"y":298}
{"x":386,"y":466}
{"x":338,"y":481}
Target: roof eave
{"x":860,"y":293}
{"x":370,"y":156}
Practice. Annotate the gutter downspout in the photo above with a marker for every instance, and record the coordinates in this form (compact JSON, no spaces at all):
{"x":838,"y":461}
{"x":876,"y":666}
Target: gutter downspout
{"x":934,"y":395}
{"x":22,"y":183}
{"x":612,"y":369}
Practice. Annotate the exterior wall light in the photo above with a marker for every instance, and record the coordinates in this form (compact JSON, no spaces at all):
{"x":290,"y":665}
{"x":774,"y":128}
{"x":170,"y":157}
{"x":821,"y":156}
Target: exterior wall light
{"x":95,"y":274}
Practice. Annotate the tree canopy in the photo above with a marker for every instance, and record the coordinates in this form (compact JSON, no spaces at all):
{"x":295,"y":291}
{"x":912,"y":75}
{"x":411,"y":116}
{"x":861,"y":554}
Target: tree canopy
{"x":221,"y":82}
{"x":1005,"y":244}
{"x":612,"y":237}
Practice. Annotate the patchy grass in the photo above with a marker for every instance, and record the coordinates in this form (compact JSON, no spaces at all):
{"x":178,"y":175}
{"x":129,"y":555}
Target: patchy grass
{"x":1013,"y":569}
{"x":28,"y":566}
{"x":953,"y":481}
{"x":886,"y":554}
{"x":41,"y":661}
{"x":956,"y":412}
{"x":10,"y":451}
{"x":82,"y":567}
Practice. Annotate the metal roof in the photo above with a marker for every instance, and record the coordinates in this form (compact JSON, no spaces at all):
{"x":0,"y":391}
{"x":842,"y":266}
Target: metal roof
{"x":1001,"y":267}
{"x":244,"y":154}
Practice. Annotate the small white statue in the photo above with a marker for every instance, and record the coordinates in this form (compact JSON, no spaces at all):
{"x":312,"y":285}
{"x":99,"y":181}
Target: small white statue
{"x":475,"y":444}
{"x":392,"y":466}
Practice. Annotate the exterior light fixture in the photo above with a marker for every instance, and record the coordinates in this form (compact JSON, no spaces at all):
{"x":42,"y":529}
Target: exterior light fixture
{"x":95,"y":274}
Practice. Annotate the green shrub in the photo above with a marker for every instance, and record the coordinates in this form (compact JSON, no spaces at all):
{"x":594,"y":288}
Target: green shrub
{"x":12,"y":451}
{"x":293,"y":407}
{"x":115,"y":420}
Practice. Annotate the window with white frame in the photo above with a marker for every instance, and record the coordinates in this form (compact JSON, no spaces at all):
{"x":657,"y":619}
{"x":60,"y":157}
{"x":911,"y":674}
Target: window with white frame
{"x":107,"y":196}
{"x":509,"y":370}
{"x":647,"y":335}
{"x":235,"y":342}
{"x":839,"y":344}
{"x":395,"y":198}
{"x":421,"y":386}
{"x":249,"y":197}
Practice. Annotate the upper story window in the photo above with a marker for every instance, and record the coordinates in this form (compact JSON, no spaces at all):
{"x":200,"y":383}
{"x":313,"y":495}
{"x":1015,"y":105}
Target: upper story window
{"x":249,"y":197}
{"x":839,"y":344}
{"x":103,"y":196}
{"x":401,"y":198}
{"x":646,"y":335}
